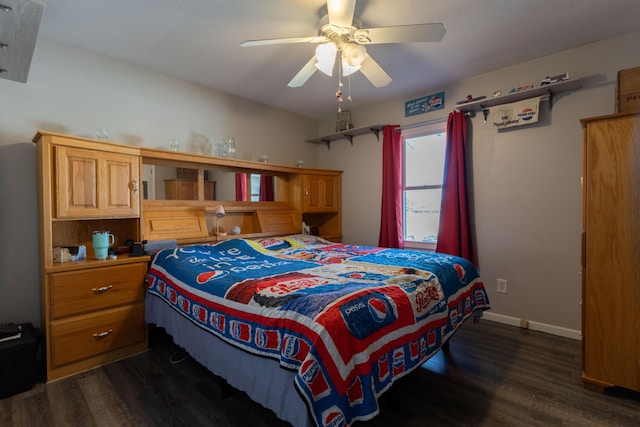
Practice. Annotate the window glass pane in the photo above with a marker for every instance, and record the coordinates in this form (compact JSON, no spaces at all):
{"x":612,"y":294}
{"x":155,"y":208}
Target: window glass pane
{"x":422,"y":215}
{"x":255,"y":187}
{"x":424,"y":159}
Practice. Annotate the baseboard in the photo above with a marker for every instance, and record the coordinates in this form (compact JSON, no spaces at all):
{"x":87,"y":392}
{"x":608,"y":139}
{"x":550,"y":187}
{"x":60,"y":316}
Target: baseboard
{"x":534,"y":326}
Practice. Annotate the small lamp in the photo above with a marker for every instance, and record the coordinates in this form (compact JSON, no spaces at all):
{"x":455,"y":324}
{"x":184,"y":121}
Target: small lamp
{"x":219,"y":213}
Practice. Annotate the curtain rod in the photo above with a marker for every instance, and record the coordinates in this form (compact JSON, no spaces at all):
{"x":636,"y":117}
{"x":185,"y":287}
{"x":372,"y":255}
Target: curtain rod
{"x":415,"y":125}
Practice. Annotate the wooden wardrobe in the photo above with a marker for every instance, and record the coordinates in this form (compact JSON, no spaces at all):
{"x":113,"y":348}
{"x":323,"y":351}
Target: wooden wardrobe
{"x":611,"y":252}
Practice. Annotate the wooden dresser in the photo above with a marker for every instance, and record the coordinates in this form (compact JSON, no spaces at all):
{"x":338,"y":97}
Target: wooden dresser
{"x":92,"y":312}
{"x":611,"y":252}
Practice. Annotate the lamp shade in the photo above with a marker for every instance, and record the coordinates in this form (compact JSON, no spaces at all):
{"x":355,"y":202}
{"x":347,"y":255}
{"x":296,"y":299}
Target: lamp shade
{"x":347,"y":69}
{"x":354,"y":54}
{"x":219,"y":212}
{"x":326,"y":56}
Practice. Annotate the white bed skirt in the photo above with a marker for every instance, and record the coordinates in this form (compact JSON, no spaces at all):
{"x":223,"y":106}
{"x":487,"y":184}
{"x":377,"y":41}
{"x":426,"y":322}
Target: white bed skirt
{"x":261,"y":378}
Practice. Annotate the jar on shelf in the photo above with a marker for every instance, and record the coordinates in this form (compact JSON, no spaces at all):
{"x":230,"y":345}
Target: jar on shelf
{"x":231,"y":147}
{"x":224,"y":150}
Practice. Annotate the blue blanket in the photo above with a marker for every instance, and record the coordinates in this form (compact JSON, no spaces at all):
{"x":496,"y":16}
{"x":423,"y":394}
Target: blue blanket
{"x":350,"y":320}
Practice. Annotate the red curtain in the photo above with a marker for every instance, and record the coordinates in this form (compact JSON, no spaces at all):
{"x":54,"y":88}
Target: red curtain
{"x":266,"y":188}
{"x":454,"y":234}
{"x":241,"y":187}
{"x":391,"y":217}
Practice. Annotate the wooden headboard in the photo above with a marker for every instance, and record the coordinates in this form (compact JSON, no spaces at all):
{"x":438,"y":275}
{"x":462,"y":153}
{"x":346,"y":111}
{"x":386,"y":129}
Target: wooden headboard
{"x":187,"y":212}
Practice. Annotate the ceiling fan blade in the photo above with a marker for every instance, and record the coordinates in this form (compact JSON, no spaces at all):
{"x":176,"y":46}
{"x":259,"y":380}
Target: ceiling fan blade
{"x":289,"y":40}
{"x":400,"y":34}
{"x":374,"y":72}
{"x":341,"y":12}
{"x":304,"y":74}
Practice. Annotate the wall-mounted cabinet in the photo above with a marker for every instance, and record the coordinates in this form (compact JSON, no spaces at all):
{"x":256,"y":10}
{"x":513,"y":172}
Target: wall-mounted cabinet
{"x":90,"y":183}
{"x":317,"y":194}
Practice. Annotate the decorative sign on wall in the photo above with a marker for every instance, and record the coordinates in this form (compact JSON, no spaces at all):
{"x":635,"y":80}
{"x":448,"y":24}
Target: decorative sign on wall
{"x":424,"y":105}
{"x":516,"y":114}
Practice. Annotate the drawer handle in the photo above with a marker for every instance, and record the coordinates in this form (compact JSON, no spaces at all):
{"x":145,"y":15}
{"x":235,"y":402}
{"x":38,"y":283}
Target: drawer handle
{"x":101,"y":290}
{"x":102,"y":334}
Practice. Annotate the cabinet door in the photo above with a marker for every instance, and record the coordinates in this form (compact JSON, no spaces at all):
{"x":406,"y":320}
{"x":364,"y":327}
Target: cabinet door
{"x":95,"y":184}
{"x":321,"y":193}
{"x":612,"y":286}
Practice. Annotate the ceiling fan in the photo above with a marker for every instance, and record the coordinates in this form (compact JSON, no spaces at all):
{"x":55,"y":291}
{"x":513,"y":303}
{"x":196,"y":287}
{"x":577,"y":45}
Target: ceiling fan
{"x":340,"y":32}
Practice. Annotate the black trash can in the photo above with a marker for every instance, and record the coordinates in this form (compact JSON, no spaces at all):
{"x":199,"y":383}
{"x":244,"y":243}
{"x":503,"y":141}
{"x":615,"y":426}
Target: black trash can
{"x":19,"y":361}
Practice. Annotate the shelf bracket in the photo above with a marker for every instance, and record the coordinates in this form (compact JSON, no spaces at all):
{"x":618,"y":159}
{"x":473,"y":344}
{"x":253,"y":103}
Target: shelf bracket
{"x":485,"y":113}
{"x":376,"y":132}
{"x":328,"y":142}
{"x":550,"y":97}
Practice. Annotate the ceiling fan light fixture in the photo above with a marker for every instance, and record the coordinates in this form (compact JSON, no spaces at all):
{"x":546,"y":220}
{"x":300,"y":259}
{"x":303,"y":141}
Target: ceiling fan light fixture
{"x":354,"y":54}
{"x":347,"y":69}
{"x":326,"y":56}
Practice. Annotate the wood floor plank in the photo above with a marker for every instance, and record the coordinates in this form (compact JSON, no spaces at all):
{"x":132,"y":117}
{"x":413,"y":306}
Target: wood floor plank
{"x":30,"y":408}
{"x":68,"y":404}
{"x":104,"y":402}
{"x":492,"y":375}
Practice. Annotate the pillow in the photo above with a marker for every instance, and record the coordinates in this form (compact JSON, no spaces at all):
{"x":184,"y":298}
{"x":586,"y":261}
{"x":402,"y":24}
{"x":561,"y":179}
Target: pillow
{"x":274,"y":243}
{"x":307,"y":241}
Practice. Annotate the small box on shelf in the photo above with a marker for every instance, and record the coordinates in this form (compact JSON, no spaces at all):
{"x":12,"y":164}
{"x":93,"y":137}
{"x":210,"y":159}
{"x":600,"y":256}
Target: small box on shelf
{"x":628,"y":94}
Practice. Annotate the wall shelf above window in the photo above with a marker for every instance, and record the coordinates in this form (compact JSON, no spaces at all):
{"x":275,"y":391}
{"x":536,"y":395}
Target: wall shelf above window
{"x":348,"y":135}
{"x":550,"y":90}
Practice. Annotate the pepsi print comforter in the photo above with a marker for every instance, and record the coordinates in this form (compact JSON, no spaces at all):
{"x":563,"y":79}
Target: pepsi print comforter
{"x":349,"y":320}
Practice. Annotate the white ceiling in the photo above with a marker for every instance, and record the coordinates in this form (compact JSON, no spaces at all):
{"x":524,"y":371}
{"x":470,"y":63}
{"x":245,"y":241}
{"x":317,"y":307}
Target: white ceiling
{"x":199,"y":41}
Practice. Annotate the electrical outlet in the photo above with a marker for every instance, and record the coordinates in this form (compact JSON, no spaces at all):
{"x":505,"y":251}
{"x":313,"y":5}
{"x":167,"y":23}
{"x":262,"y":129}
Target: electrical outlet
{"x":502,"y":286}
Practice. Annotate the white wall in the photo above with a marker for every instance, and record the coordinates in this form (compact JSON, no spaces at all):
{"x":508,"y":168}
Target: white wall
{"x":73,"y":91}
{"x":525,"y":181}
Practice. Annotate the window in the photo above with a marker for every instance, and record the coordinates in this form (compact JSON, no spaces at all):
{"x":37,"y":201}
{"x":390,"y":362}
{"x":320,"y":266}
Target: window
{"x":423,"y":172}
{"x":255,"y":187}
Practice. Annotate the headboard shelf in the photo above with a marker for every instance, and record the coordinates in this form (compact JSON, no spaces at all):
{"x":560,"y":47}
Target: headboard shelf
{"x":297,"y":193}
{"x":198,"y":223}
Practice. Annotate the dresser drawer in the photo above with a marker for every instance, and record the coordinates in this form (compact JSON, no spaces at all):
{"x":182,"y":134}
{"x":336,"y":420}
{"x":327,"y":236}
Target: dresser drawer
{"x":83,"y":291}
{"x":84,"y":336}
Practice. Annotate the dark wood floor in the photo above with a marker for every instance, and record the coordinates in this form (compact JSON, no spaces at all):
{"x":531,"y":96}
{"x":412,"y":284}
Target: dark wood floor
{"x":493,"y":375}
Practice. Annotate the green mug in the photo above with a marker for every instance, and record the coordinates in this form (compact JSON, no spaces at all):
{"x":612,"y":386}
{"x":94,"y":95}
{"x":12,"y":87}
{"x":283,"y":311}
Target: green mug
{"x":101,"y":242}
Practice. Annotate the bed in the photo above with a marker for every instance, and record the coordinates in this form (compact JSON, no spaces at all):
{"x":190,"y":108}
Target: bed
{"x":314,"y":330}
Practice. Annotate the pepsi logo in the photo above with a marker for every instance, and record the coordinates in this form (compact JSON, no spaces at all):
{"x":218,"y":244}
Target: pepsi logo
{"x":205,"y":277}
{"x":334,"y":418}
{"x":291,"y":346}
{"x":527,"y":114}
{"x":309,"y":370}
{"x":379,"y":309}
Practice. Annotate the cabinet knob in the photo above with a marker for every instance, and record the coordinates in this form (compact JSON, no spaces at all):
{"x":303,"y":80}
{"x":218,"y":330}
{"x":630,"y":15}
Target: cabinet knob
{"x":101,"y":290}
{"x":306,"y":192}
{"x":134,"y":186}
{"x":102,"y":334}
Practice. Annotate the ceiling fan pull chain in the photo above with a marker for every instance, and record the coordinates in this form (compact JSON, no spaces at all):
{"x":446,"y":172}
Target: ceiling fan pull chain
{"x":339,"y":91}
